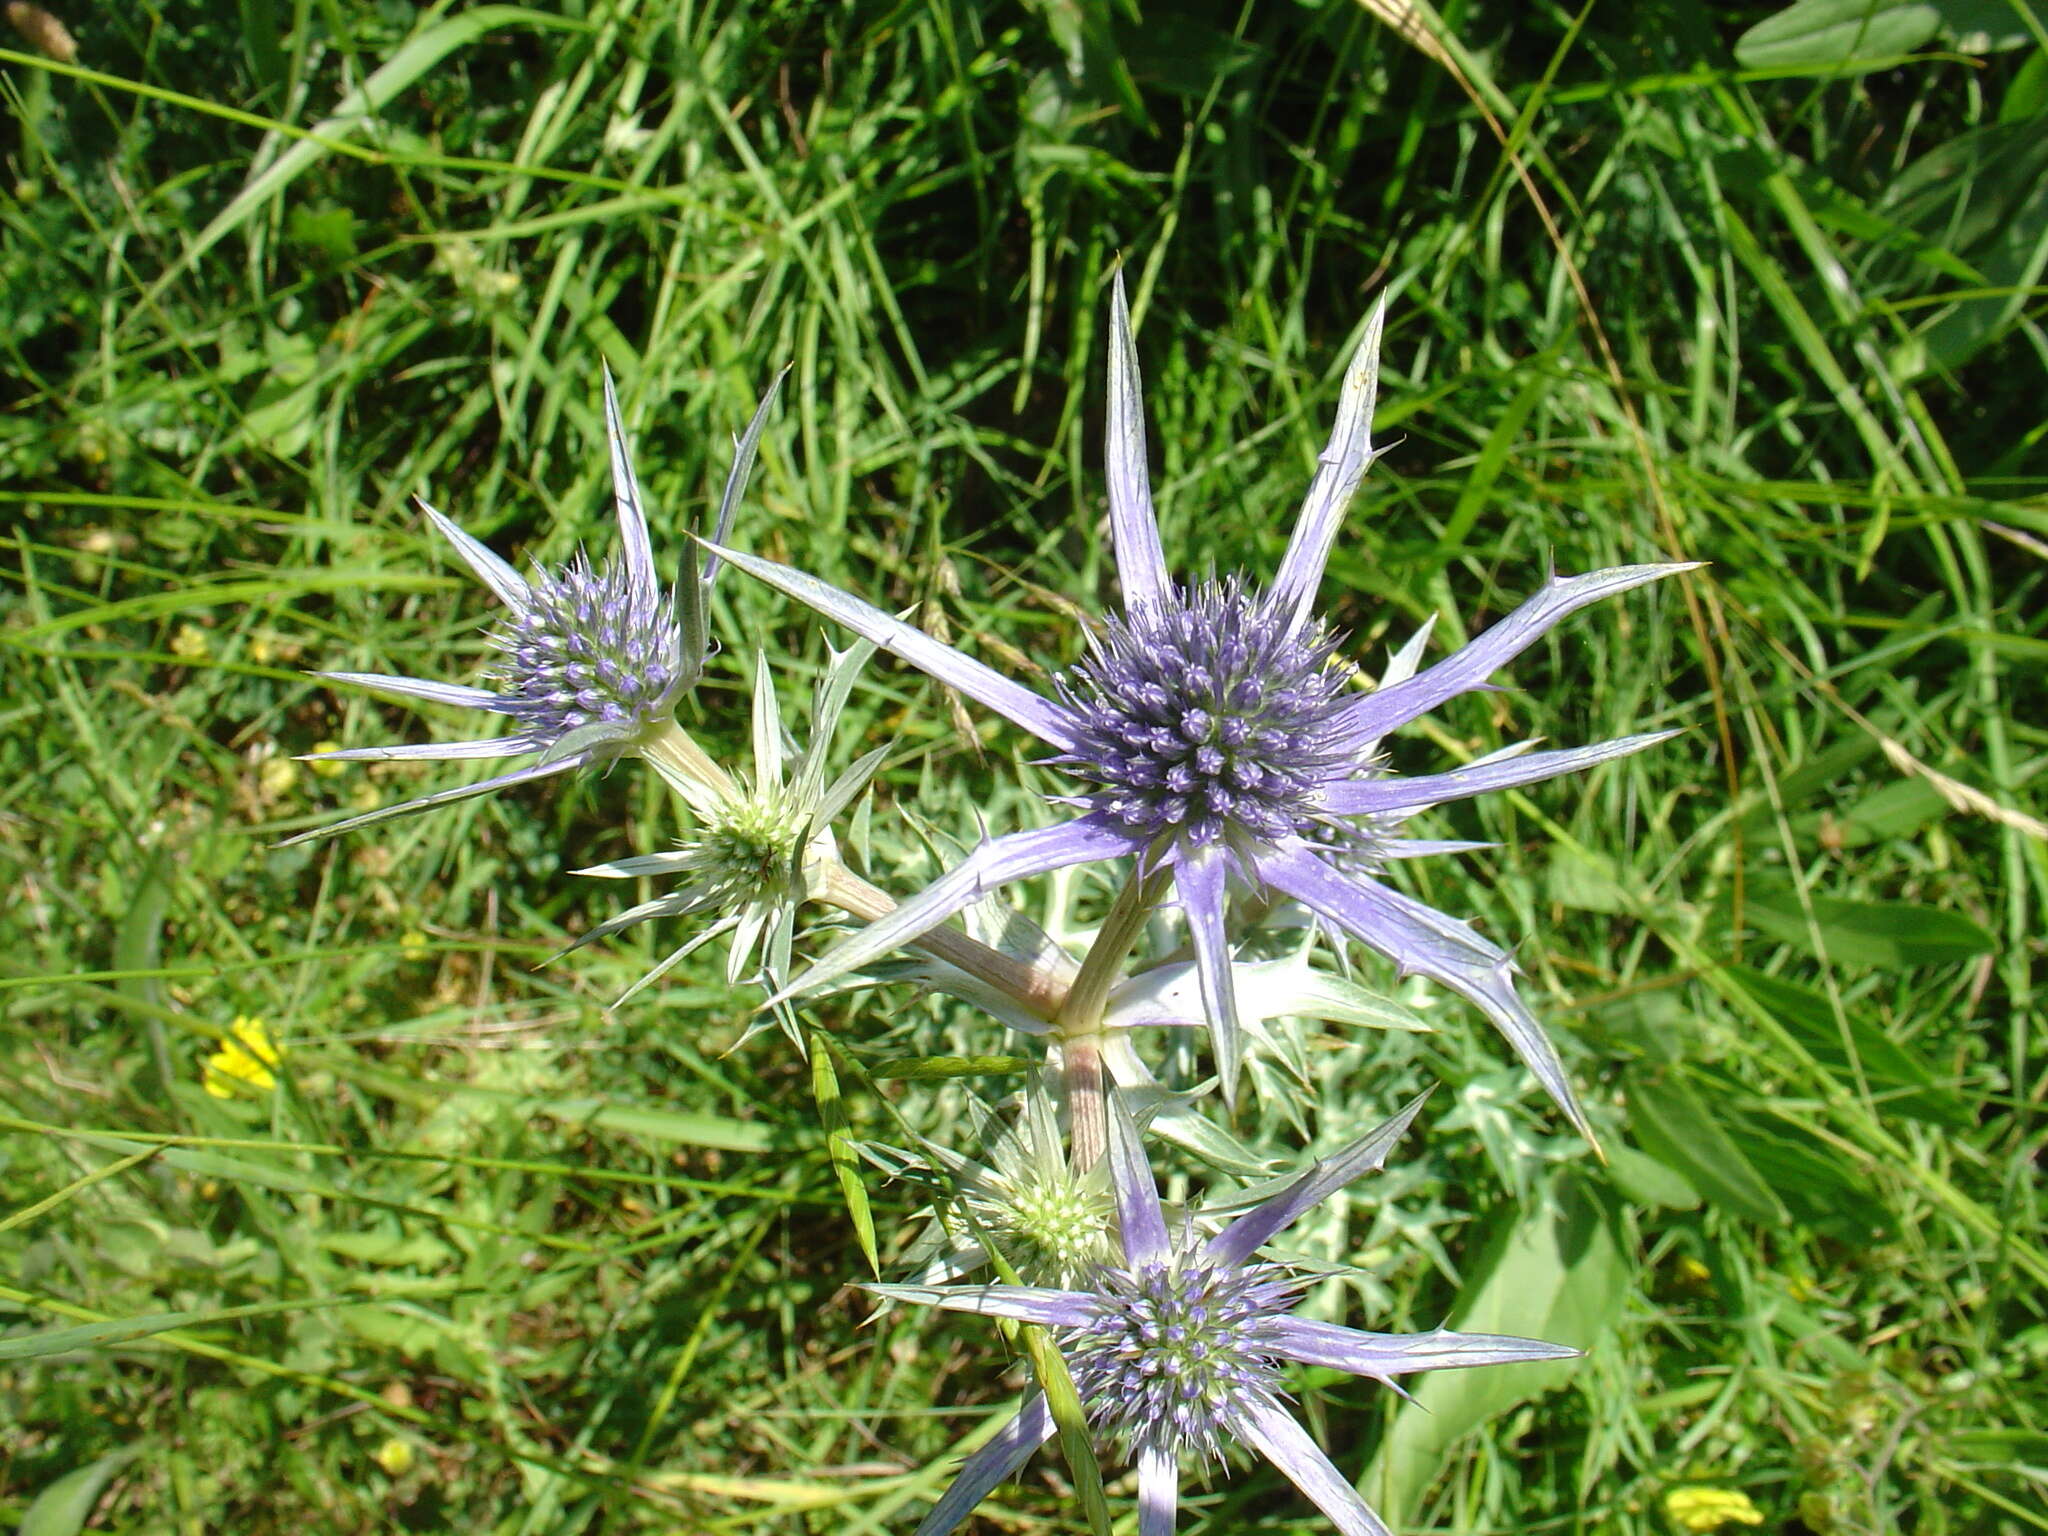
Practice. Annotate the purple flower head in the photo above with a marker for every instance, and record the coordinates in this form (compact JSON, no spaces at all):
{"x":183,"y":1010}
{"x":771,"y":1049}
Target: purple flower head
{"x":1183,"y":1345}
{"x":1215,"y":734}
{"x":1207,"y":720}
{"x":591,"y":659}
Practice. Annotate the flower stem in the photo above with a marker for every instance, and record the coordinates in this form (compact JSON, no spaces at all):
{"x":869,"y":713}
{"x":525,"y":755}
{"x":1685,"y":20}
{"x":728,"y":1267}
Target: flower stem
{"x":1079,"y":1024}
{"x":1038,"y":992}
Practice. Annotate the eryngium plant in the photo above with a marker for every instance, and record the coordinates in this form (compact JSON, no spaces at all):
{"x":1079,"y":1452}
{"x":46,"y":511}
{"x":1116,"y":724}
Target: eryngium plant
{"x":1216,"y":741}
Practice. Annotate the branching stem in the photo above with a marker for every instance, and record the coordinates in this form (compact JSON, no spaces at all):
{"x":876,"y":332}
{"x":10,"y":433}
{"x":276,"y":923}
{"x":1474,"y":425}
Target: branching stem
{"x":1078,"y":1027}
{"x":1039,"y":993}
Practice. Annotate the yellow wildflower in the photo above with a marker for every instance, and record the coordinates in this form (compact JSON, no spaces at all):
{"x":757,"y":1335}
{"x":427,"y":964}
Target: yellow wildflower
{"x":1708,"y":1509}
{"x":245,"y":1056}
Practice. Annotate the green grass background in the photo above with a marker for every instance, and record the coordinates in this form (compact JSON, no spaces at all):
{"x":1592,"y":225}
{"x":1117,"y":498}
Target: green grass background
{"x":494,"y":1258}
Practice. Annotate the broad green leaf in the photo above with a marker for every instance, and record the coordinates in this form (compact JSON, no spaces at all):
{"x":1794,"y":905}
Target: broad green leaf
{"x":1551,"y":1270}
{"x":1897,"y":810}
{"x":1813,"y":1335}
{"x":411,"y":1250}
{"x":1648,"y":1182}
{"x":1818,"y":776}
{"x":1991,"y":26}
{"x":2027,"y":97}
{"x":1835,"y":207}
{"x":1984,"y":195}
{"x":1897,"y":1076}
{"x":1677,"y":1129}
{"x":674,"y":1126}
{"x":2003,"y":1448}
{"x":1888,"y":935}
{"x":1077,"y":1443}
{"x":63,"y":1508}
{"x":1585,"y":880}
{"x":1826,"y":37}
{"x":1821,"y":1186}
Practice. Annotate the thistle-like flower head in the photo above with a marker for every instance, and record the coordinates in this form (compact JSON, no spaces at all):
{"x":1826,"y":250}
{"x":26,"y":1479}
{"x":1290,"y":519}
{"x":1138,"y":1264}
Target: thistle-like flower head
{"x":1172,"y":1356}
{"x":1020,"y":1197}
{"x":590,"y":659}
{"x":1212,"y":731}
{"x":759,"y":837}
{"x":1183,"y":1344}
{"x":1207,"y":719}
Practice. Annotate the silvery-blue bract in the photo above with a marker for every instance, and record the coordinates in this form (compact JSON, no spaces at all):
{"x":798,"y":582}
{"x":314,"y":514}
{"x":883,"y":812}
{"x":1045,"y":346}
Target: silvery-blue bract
{"x":1183,"y":1344}
{"x":591,"y":659}
{"x":1213,"y":732}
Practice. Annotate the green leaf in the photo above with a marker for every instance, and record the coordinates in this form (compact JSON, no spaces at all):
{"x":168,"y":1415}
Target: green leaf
{"x":1984,"y":195}
{"x":675,"y":1126}
{"x":1585,"y":880}
{"x":1837,"y":36}
{"x":1506,"y":436}
{"x":1821,"y":1186}
{"x":1820,"y":774}
{"x":410,"y":1250}
{"x":925,"y":1069}
{"x":840,"y":1147}
{"x":2003,"y":1448}
{"x":1077,"y":1443}
{"x":1896,"y":1075}
{"x":2027,"y":97}
{"x":1888,"y":935}
{"x":1897,"y":810}
{"x":128,"y":1330}
{"x":1551,"y":1270}
{"x":1677,"y":1130}
{"x":63,"y":1508}
{"x":1648,"y":1182}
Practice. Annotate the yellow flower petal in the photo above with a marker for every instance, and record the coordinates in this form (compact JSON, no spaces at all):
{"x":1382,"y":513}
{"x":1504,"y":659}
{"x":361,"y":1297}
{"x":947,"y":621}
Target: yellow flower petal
{"x":246,"y":1056}
{"x":1708,"y":1509}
